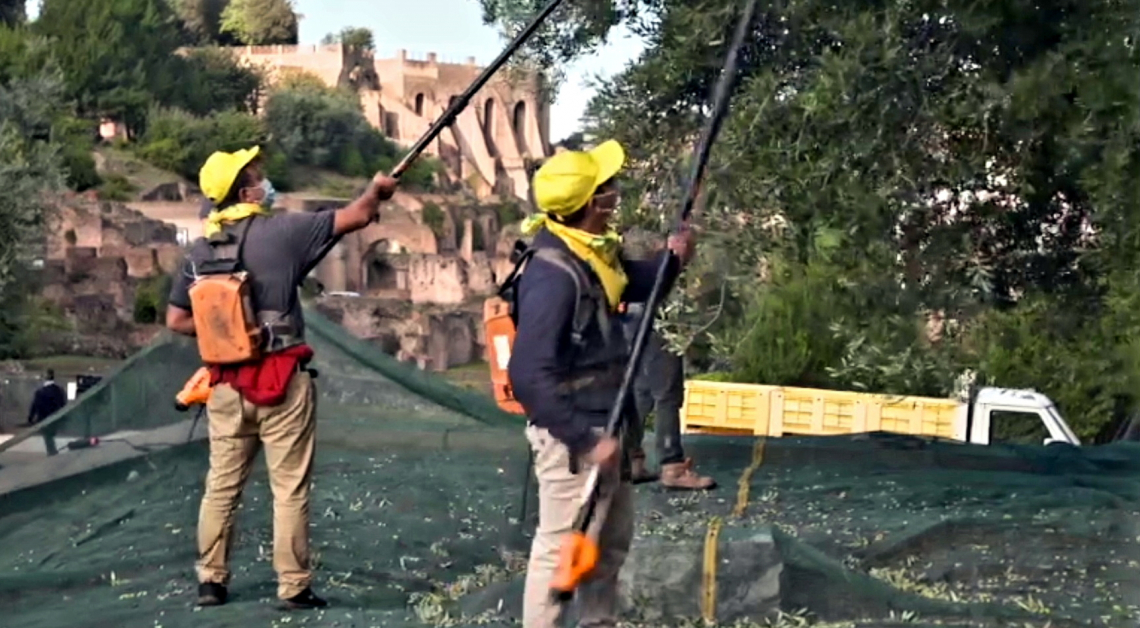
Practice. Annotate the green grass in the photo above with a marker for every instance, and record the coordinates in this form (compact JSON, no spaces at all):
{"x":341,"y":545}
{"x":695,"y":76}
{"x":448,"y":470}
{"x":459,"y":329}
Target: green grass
{"x":139,"y":174}
{"x":475,"y":376}
{"x":67,"y":366}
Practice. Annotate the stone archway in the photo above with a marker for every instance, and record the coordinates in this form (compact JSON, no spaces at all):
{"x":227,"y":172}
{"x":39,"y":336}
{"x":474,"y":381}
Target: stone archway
{"x":381,"y":270}
{"x":489,"y":126}
{"x":518,"y":125}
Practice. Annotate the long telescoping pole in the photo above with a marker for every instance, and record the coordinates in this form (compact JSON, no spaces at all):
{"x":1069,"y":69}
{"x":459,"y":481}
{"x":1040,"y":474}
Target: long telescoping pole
{"x":579,"y":553}
{"x":458,"y":105}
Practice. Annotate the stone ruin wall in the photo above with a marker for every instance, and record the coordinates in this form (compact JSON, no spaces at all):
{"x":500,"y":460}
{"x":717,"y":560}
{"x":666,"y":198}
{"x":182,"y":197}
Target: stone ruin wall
{"x":505,"y":125}
{"x":97,"y":254}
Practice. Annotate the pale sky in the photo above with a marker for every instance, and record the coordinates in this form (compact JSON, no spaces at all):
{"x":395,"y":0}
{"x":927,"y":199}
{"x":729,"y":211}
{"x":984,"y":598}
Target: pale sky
{"x":454,"y":30}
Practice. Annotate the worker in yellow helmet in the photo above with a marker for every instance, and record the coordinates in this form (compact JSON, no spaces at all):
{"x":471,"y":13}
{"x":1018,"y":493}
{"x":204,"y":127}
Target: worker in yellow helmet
{"x":567,"y":363}
{"x":237,"y":293}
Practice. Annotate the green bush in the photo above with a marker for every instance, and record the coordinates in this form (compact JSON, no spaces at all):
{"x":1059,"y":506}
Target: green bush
{"x":278,"y":170}
{"x":351,"y":163}
{"x":784,"y":336}
{"x":338,"y":189}
{"x":434,"y":218}
{"x":509,"y":213}
{"x":76,"y":141}
{"x":421,"y":175}
{"x":150,"y":300}
{"x":717,"y":376}
{"x":178,"y":141}
{"x":116,"y":187}
{"x":325,"y":128}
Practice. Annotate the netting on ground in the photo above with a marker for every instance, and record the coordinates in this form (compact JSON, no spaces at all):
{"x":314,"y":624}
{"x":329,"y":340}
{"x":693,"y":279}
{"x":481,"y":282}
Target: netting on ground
{"x":418,"y":516}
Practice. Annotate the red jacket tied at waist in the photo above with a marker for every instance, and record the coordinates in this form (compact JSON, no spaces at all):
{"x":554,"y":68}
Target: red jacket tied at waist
{"x":265,"y":382}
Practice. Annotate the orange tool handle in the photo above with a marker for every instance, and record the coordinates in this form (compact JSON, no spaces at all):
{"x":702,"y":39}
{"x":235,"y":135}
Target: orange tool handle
{"x":576,"y":561}
{"x":196,"y":390}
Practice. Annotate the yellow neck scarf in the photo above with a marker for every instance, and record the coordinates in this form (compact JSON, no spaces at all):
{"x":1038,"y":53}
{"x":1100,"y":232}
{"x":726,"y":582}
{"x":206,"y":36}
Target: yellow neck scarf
{"x":599,"y":251}
{"x":212,"y":225}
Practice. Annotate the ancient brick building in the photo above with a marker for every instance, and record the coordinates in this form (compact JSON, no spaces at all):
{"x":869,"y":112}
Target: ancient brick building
{"x":504,"y":125}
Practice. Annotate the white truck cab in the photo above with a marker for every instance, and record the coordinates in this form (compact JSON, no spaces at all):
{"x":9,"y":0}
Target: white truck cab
{"x":979,"y":420}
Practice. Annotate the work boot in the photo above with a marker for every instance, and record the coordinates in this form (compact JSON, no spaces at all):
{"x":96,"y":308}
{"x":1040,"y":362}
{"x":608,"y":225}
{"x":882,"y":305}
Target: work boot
{"x":305,"y":600}
{"x":638,"y":472}
{"x":211,"y":594}
{"x":681,"y":477}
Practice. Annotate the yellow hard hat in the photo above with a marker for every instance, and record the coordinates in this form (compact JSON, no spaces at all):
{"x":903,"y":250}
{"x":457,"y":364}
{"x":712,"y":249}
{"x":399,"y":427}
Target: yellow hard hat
{"x":568,"y":180}
{"x":220,"y":171}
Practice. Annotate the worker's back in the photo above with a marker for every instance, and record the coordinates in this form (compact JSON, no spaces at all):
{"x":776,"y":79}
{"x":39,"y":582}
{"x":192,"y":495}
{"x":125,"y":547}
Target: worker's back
{"x":277,"y":251}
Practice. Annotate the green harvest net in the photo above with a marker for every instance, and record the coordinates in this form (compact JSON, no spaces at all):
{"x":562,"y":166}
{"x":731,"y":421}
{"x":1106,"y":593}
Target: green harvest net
{"x":422,"y":510}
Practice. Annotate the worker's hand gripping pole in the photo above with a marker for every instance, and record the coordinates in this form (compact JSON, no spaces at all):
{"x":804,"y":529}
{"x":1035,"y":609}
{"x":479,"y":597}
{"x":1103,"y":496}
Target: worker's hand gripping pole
{"x":455,"y":108}
{"x":579,"y":553}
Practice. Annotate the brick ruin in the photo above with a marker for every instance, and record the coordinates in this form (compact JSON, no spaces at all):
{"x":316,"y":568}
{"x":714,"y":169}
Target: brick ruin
{"x":97,"y":256}
{"x":504,"y":126}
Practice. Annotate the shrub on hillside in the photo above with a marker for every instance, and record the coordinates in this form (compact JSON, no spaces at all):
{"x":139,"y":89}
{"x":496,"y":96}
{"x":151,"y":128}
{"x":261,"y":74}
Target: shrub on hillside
{"x":509,"y":212}
{"x":434,"y":218}
{"x":116,"y":187}
{"x":324,"y":128}
{"x":77,"y":141}
{"x":150,"y":299}
{"x":180,"y":142}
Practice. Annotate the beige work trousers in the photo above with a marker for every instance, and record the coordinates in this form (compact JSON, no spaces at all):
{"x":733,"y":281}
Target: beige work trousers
{"x":238,"y":429}
{"x":559,"y":497}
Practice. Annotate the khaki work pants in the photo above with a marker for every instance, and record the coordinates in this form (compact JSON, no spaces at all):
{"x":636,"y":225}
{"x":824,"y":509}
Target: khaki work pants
{"x":238,"y":429}
{"x":559,"y":498}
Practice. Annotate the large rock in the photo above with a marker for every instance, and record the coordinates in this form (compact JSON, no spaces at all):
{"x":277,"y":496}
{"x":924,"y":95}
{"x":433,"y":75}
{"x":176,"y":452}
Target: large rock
{"x":662,"y":579}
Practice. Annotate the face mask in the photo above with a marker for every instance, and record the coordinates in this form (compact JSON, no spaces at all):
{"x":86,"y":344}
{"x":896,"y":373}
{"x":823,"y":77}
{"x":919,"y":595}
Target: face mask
{"x":270,"y":194}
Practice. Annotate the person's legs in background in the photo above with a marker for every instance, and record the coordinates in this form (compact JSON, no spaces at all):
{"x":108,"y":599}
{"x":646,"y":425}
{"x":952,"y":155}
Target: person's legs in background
{"x":635,"y":428}
{"x":48,"y":434}
{"x":667,"y":379}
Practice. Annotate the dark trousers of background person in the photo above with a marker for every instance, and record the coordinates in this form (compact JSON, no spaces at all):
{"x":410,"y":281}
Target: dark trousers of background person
{"x":660,"y":386}
{"x":48,"y":434}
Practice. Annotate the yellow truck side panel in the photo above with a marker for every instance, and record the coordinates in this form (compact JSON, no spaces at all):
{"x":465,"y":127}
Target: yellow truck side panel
{"x":724,"y":408}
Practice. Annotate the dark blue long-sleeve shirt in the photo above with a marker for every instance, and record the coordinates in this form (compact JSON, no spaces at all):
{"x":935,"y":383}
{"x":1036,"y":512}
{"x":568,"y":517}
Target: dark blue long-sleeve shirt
{"x":48,"y":400}
{"x":541,"y":356}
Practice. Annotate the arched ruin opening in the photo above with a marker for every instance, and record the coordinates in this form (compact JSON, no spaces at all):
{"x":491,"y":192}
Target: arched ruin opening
{"x":419,"y":104}
{"x":377,"y":269}
{"x":489,"y":126}
{"x":518,"y":124}
{"x":380,"y":274}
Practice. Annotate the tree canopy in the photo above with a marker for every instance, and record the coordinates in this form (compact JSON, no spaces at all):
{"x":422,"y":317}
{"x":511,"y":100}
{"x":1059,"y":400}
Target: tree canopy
{"x":902,"y":192}
{"x":260,"y":22}
{"x":352,"y":37}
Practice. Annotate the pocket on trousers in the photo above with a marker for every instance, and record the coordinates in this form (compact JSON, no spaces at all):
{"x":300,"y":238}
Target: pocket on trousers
{"x":226,"y":413}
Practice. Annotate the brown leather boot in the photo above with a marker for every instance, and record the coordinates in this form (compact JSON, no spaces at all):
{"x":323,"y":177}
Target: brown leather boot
{"x":638,"y":473}
{"x":681,"y":477}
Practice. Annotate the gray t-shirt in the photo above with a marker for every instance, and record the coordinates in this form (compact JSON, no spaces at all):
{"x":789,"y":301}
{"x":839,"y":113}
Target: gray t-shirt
{"x":277,"y":251}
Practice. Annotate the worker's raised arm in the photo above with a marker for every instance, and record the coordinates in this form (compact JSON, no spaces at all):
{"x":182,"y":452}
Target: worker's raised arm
{"x":360,"y":213}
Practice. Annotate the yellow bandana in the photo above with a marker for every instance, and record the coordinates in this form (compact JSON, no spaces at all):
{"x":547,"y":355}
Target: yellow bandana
{"x":599,"y":251}
{"x":213,"y":223}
